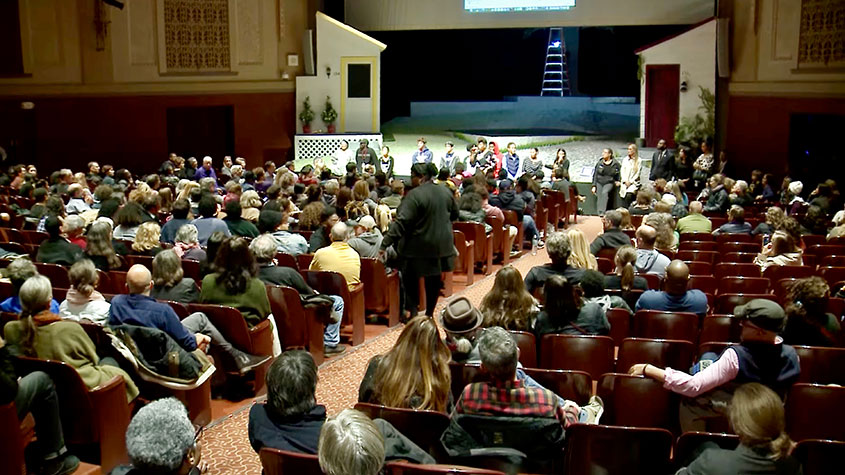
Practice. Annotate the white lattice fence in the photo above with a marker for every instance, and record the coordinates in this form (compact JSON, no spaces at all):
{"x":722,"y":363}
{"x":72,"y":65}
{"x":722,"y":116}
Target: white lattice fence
{"x":310,"y":146}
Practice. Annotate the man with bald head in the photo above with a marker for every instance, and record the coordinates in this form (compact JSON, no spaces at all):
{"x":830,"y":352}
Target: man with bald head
{"x":192,"y":333}
{"x":694,"y":222}
{"x":649,"y":260}
{"x":675,"y":297}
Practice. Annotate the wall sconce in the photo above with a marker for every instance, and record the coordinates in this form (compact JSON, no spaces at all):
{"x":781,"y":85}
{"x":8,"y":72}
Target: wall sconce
{"x":328,"y":71}
{"x":684,"y":86}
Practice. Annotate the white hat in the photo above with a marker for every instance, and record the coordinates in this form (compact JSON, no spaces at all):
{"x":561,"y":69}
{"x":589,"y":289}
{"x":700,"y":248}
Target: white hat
{"x":670,"y":199}
{"x":796,"y":187}
{"x":367,"y":222}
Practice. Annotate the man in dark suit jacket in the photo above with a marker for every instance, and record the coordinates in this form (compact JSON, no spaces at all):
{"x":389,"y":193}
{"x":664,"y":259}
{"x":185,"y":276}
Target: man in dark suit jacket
{"x":56,"y":249}
{"x":662,"y":163}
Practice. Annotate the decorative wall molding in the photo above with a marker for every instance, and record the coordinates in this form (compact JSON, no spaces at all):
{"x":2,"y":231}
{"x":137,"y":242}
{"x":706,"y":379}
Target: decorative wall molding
{"x":196,"y":36}
{"x":821,"y":41}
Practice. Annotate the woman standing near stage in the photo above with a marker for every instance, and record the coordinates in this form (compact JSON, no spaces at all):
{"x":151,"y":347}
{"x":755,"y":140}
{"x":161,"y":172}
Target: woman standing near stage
{"x":631,"y":172}
{"x":606,"y":177}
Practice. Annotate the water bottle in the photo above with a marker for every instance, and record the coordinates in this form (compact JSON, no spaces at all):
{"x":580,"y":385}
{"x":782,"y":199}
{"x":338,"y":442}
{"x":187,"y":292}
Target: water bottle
{"x":534,"y":246}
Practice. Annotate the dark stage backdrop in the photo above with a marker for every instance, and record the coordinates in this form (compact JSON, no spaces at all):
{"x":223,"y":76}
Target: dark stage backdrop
{"x":480,"y":65}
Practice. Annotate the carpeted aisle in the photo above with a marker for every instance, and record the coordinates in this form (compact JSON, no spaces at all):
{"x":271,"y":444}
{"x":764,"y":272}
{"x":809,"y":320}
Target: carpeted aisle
{"x":225,"y":442}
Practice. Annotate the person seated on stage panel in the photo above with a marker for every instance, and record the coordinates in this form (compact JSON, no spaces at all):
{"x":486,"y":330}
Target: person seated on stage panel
{"x":716,"y":195}
{"x":147,"y":240}
{"x":422,"y":154}
{"x":179,"y":217}
{"x":808,"y":321}
{"x":694,"y":222}
{"x":169,"y":279}
{"x":533,"y":164}
{"x":385,"y":162}
{"x":56,"y":249}
{"x":83,"y":302}
{"x":192,"y":333}
{"x":676,"y":297}
{"x":234,"y":282}
{"x":208,"y":222}
{"x":662,"y":163}
{"x":187,"y":246}
{"x":450,"y":157}
{"x":508,"y":304}
{"x":736,"y":222}
{"x":561,"y":183}
{"x":559,"y":249}
{"x":341,"y":157}
{"x":320,"y":237}
{"x":511,"y":162}
{"x":613,"y":237}
{"x":756,"y":415}
{"x":649,"y":260}
{"x":226,"y":169}
{"x":566,"y":312}
{"x":42,"y":334}
{"x":18,"y":271}
{"x":760,"y":357}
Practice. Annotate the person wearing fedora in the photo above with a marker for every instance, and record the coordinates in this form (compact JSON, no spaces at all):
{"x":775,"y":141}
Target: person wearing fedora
{"x":760,"y":357}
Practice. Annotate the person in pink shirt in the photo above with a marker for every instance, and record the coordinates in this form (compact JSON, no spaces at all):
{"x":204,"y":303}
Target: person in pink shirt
{"x":760,"y":357}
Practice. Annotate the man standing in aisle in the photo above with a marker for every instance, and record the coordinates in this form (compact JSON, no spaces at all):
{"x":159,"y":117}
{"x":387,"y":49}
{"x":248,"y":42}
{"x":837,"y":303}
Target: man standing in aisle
{"x":662,"y":163}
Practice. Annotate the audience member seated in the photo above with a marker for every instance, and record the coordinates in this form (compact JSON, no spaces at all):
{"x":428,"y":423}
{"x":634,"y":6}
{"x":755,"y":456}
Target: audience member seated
{"x":74,"y":228}
{"x":18,"y":271}
{"x":694,"y":222}
{"x":397,"y":189}
{"x":592,"y":285}
{"x":649,"y":260}
{"x":559,"y":249}
{"x":351,"y":444}
{"x":234,"y":282}
{"x":234,"y":220}
{"x":838,"y":228}
{"x":264,"y":248}
{"x":187,"y":244}
{"x":675,"y":297}
{"x":208,"y":222}
{"x":169,"y":281}
{"x":287,"y":242}
{"x":780,"y":251}
{"x":339,"y":257}
{"x":625,"y":277}
{"x":566,"y":312}
{"x":195,"y":332}
{"x":77,"y":203}
{"x":664,"y":225}
{"x":508,"y":304}
{"x":808,"y":322}
{"x":54,"y":207}
{"x":736,"y":222}
{"x":716,"y":195}
{"x":642,"y":206}
{"x":147,"y":239}
{"x":34,"y":393}
{"x":320,"y":237}
{"x":56,"y":249}
{"x":250,"y":205}
{"x":739,"y":194}
{"x":581,"y":257}
{"x":460,"y":321}
{"x":774,"y":219}
{"x":760,"y":357}
{"x":83,"y":302}
{"x":367,"y":238}
{"x":291,"y":419}
{"x":42,"y":334}
{"x":127,"y":219}
{"x":414,"y":374}
{"x":100,"y":248}
{"x":161,"y":440}
{"x":613,"y":236}
{"x":757,"y":416}
{"x":179,"y":217}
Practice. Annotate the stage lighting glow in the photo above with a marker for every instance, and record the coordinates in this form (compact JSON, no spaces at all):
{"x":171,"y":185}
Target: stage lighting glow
{"x":504,"y":6}
{"x":556,"y":44}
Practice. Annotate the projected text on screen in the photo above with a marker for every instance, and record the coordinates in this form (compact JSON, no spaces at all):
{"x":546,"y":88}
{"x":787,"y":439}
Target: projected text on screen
{"x":516,"y":5}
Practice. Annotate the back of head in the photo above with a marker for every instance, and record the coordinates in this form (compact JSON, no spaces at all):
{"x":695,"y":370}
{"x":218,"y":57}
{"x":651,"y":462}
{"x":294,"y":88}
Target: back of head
{"x":187,"y":234}
{"x":263,"y":248}
{"x":613,"y":218}
{"x":350,"y":444}
{"x":592,"y":283}
{"x":646,"y":237}
{"x":35,"y":294}
{"x":291,"y":384}
{"x":180,"y":209}
{"x":167,"y":269}
{"x":207,"y":206}
{"x":757,"y":417}
{"x":138,"y":279}
{"x":808,"y":298}
{"x":233,"y":209}
{"x":736,"y":213}
{"x":83,"y":276}
{"x":626,"y":257}
{"x":677,"y":277}
{"x":340,"y":232}
{"x":269,"y":220}
{"x":563,"y":299}
{"x":160,"y":437}
{"x":695,"y":207}
{"x":19,"y":270}
{"x":235,"y":264}
{"x":53,"y":226}
{"x":499,"y":353}
{"x":558,"y":247}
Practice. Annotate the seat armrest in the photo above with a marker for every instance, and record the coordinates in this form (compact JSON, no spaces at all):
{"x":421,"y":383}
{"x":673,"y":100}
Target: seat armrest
{"x":112,"y":419}
{"x":261,"y":337}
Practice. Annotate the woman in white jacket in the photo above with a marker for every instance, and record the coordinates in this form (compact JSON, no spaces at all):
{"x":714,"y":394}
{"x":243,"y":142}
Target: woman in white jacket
{"x":631,"y":172}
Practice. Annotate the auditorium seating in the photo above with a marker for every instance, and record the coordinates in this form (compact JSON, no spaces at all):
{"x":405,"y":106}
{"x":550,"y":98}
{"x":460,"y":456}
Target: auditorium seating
{"x":704,"y":283}
{"x":502,"y":241}
{"x":424,"y":428}
{"x":697,"y":237}
{"x":333,"y":283}
{"x":283,"y":462}
{"x":483,"y":244}
{"x":677,"y":354}
{"x":720,"y":328}
{"x":381,"y":290}
{"x":671,"y":325}
{"x":57,"y":274}
{"x":569,"y":384}
{"x":698,"y":246}
{"x":593,"y":354}
{"x":832,"y":275}
{"x":743,"y":285}
{"x":726,"y":303}
{"x":407,"y":468}
{"x":466,"y":251}
{"x":817,"y":457}
{"x":704,"y":256}
{"x":616,"y":450}
{"x":821,"y":365}
{"x":620,"y":324}
{"x":739,"y":257}
{"x":297,"y":326}
{"x":776,"y":273}
{"x":734,"y":269}
{"x":527,"y":348}
{"x":11,"y":450}
{"x":689,"y":443}
{"x":699,"y":267}
{"x":814,"y":411}
{"x":512,"y":219}
{"x":637,"y":401}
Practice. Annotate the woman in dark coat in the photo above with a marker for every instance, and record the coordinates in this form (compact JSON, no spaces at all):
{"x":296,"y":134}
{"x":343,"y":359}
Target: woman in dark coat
{"x":422,"y":236}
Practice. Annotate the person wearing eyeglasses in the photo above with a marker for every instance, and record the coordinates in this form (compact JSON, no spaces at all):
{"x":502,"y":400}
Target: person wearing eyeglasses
{"x":760,"y":357}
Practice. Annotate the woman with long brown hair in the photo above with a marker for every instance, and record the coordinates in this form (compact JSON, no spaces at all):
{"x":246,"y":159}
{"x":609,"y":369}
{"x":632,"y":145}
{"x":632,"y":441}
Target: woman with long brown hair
{"x":100,"y":248}
{"x":414,"y":374}
{"x":566,"y":311}
{"x":508,"y":304}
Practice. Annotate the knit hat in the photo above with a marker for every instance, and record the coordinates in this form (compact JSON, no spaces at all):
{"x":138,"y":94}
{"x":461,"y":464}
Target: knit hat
{"x":763,"y":313}
{"x":796,"y":187}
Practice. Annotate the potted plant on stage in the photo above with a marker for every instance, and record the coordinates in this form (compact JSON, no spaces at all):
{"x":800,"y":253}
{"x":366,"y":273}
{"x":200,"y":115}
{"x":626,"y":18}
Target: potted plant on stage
{"x":329,"y":115}
{"x":306,"y":116}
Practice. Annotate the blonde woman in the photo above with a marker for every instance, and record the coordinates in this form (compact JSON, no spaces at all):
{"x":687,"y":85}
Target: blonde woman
{"x":189,"y":187}
{"x":630,"y":175}
{"x":147,"y":239}
{"x":250,"y":206}
{"x":83,"y":302}
{"x":581,"y":256}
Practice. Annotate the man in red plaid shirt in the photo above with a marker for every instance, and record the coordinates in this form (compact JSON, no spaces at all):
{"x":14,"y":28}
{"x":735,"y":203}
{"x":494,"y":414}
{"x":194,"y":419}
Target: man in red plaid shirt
{"x":505,"y":395}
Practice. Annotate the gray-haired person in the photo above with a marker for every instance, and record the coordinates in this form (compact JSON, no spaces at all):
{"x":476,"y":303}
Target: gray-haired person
{"x":351,"y":444}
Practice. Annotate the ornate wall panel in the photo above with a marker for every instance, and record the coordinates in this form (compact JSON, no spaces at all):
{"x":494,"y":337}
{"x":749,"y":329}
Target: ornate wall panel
{"x":196,"y":35}
{"x":822,"y":38}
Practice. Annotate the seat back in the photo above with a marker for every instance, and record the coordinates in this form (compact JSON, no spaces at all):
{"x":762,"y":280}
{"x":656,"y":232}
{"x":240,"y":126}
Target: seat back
{"x":688,"y":445}
{"x":407,"y":468}
{"x":607,"y":253}
{"x":698,"y":246}
{"x":676,"y":354}
{"x":498,"y":231}
{"x":705,"y":256}
{"x":630,"y":296}
{"x":589,"y":353}
{"x":282,"y":462}
{"x":229,"y":321}
{"x":726,"y":303}
{"x":463,"y":374}
{"x":704,"y":283}
{"x":825,"y":250}
{"x":733,"y":237}
{"x":290,"y":322}
{"x":474,"y":232}
{"x":726,"y":247}
{"x":739,"y":257}
{"x":832,"y":275}
{"x":743,"y":285}
{"x":376,"y":290}
{"x":569,"y":384}
{"x":191,"y":268}
{"x":304,"y":261}
{"x":331,"y":283}
{"x":424,"y":428}
{"x":286,"y":260}
{"x":814,"y":411}
{"x":653,"y":280}
{"x":720,"y":328}
{"x":57,"y":274}
{"x":671,"y":325}
{"x":146,"y":261}
{"x":527,"y":345}
{"x":11,"y":450}
{"x":637,"y":401}
{"x":700,"y":268}
{"x":118,"y":282}
{"x":821,"y":365}
{"x":817,"y":457}
{"x":776,"y":273}
{"x":697,"y":237}
{"x":620,"y":324}
{"x":836,"y":261}
{"x":616,"y":450}
{"x":735,"y":269}
{"x":605,"y":265}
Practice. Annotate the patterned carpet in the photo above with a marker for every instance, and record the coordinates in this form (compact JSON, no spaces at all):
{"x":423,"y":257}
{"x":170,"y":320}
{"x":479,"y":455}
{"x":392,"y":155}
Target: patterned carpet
{"x":225,"y":443}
